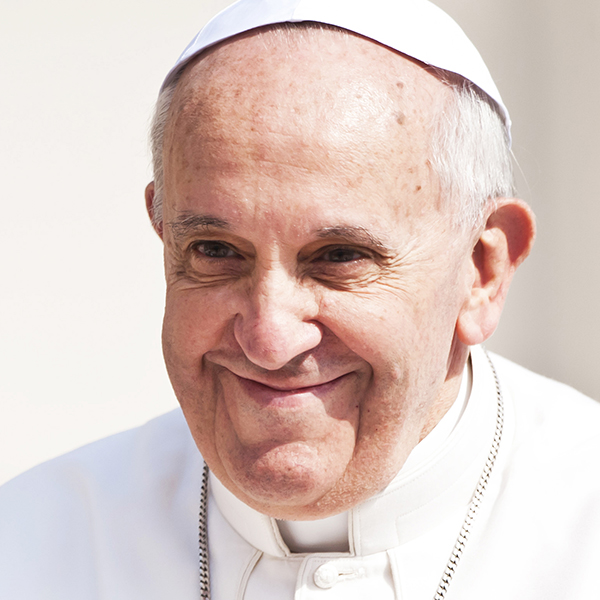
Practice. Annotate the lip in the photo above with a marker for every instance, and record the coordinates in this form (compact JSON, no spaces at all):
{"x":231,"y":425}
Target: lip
{"x":287,"y":396}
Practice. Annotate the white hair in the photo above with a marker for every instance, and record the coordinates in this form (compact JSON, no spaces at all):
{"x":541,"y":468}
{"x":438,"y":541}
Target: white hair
{"x":157,"y":139}
{"x":470,"y":153}
{"x":470,"y":147}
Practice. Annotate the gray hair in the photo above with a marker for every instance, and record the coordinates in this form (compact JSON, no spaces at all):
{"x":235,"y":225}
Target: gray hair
{"x":470,"y":147}
{"x":470,"y":152}
{"x":157,"y":139}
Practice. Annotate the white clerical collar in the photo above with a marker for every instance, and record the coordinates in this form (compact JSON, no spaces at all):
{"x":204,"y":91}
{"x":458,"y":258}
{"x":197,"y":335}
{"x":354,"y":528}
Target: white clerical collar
{"x":423,"y":493}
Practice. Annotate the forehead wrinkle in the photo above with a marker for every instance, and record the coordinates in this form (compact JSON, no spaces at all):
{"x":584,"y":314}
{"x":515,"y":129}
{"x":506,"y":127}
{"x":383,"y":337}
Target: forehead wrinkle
{"x":187,"y":223}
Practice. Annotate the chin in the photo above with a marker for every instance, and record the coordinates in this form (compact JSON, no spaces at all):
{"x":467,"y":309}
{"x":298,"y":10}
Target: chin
{"x":283,"y":481}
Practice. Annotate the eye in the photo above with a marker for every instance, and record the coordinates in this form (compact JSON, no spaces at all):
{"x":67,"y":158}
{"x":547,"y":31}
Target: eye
{"x":342,"y":255}
{"x":214,"y":249}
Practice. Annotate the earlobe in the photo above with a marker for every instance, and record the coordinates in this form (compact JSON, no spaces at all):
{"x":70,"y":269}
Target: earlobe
{"x":502,"y":246}
{"x":149,"y":195}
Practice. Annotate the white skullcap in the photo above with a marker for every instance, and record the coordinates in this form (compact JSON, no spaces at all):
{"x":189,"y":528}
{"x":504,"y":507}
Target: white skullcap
{"x":416,"y":28}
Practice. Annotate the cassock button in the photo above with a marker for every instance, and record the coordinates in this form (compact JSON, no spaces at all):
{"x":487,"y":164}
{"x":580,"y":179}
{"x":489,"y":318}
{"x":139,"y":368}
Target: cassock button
{"x":326,"y":576}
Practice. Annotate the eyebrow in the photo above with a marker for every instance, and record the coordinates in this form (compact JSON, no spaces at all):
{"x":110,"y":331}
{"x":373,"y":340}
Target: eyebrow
{"x":358,"y":235}
{"x":186,"y":224}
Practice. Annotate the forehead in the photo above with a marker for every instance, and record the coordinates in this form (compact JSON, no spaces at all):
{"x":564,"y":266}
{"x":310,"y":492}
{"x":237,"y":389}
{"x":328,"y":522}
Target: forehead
{"x":323,"y":105}
{"x":300,"y":74}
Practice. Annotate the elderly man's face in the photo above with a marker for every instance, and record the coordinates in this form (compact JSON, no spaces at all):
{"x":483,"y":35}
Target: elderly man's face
{"x":313,"y":281}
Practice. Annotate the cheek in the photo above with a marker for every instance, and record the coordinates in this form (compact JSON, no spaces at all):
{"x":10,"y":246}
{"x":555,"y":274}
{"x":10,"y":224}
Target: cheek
{"x":405,"y":310}
{"x":406,"y":338}
{"x":194,"y":322}
{"x":375,"y":324}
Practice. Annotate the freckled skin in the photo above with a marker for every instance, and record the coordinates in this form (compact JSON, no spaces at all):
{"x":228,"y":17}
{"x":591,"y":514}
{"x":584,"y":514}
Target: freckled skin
{"x":305,"y":249}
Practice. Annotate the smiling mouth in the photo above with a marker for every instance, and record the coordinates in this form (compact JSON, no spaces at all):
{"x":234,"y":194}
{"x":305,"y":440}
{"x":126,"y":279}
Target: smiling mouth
{"x":270,"y":394}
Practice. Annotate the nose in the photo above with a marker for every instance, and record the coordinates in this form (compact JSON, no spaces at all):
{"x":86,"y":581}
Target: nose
{"x":276,"y":323}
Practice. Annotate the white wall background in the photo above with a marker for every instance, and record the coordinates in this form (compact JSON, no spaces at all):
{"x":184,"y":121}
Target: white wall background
{"x":81,"y":291}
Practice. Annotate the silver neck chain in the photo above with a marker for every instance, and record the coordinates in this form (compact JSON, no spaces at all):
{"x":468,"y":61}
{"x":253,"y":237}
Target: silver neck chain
{"x":475,"y":504}
{"x":203,"y":538}
{"x":461,"y":541}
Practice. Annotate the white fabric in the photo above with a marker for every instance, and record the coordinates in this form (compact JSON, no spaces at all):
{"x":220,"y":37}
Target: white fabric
{"x":118,"y":519}
{"x":416,"y":28}
{"x":323,"y":535}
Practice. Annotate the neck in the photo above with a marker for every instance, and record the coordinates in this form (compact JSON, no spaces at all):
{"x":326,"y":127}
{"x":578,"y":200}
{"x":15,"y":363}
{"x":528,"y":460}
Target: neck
{"x":457,"y":359}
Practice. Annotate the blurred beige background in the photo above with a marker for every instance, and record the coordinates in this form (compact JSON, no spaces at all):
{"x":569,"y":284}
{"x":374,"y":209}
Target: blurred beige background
{"x":81,"y":278}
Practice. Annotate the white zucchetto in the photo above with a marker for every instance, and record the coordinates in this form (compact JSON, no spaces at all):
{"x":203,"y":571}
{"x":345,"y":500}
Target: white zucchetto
{"x":416,"y":28}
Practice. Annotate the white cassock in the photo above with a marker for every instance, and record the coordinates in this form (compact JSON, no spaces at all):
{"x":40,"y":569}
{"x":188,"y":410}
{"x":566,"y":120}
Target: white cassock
{"x":118,"y":519}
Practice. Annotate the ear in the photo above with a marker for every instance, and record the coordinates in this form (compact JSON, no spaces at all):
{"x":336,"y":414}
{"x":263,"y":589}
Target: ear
{"x":149,"y":194}
{"x":502,"y":246}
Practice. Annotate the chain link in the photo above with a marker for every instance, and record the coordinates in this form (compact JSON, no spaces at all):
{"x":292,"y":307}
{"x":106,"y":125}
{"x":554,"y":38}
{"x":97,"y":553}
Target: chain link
{"x":203,"y":537}
{"x":465,"y":531}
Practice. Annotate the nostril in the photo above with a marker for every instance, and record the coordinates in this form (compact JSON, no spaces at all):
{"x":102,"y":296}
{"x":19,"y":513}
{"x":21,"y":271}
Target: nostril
{"x":273,"y":343}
